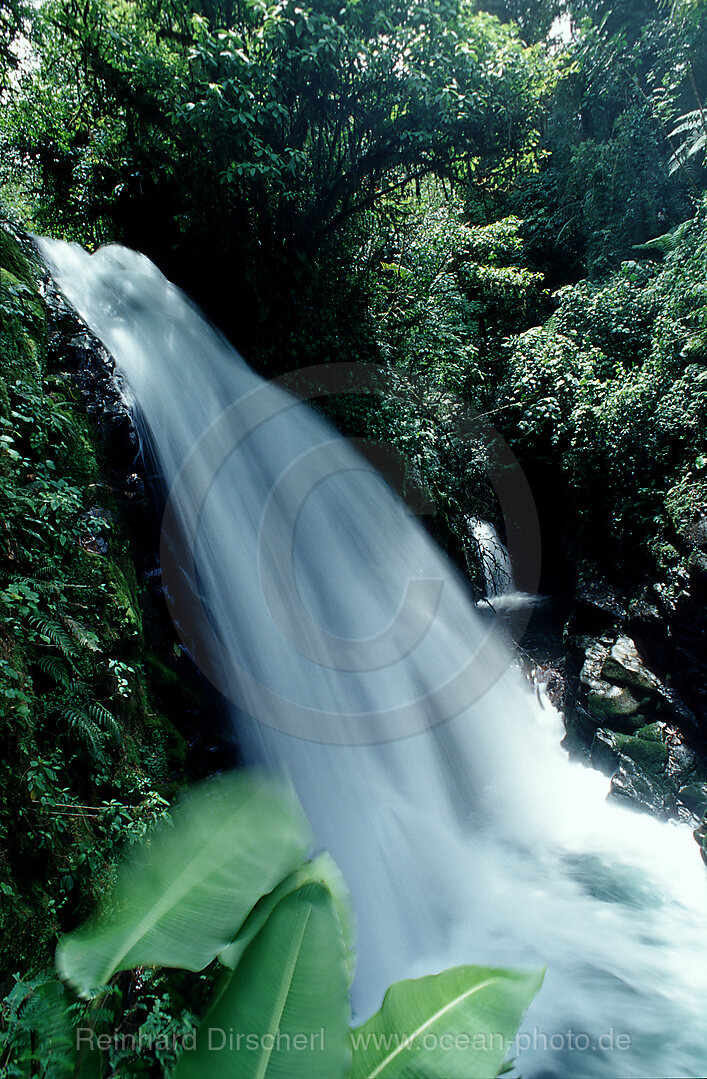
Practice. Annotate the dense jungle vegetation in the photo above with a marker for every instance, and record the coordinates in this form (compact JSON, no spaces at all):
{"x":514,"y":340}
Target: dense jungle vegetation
{"x":503,"y":204}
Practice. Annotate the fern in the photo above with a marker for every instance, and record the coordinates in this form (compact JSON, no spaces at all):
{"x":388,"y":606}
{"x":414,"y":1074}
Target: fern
{"x":105,"y":720}
{"x":669,"y":241}
{"x":81,"y":726}
{"x":692,"y":128}
{"x":74,"y":717}
{"x":40,"y":1034}
{"x":84,"y":637}
{"x":53,"y":667}
{"x":37,"y":583}
{"x":91,"y":721}
{"x":46,"y":573}
{"x":54,"y":633}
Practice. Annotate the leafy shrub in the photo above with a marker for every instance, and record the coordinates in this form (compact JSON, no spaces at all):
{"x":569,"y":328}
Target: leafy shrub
{"x":614,"y":390}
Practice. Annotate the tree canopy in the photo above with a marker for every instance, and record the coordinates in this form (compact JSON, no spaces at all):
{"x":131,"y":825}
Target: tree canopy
{"x":266,"y":131}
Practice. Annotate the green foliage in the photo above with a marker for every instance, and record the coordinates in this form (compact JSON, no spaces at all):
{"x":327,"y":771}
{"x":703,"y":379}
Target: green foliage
{"x":13,"y":14}
{"x":475,"y":1008}
{"x":265,"y":133}
{"x":220,"y":853}
{"x":443,"y":293}
{"x":612,"y":174}
{"x":281,"y":1009}
{"x":73,"y":693}
{"x":535,"y":18}
{"x":38,"y":1035}
{"x":291,"y":982}
{"x":614,"y":389}
{"x":692,"y":132}
{"x":447,"y":292}
{"x":319,"y":870}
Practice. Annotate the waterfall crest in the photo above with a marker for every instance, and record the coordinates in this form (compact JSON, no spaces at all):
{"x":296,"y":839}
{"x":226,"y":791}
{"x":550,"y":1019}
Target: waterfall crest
{"x":427,"y":771}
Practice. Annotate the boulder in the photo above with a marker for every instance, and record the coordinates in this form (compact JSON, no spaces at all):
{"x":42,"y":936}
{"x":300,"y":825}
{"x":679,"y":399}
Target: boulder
{"x":624,"y":667}
{"x":602,"y":698}
{"x":605,"y":752}
{"x":615,"y":702}
{"x":632,"y":784}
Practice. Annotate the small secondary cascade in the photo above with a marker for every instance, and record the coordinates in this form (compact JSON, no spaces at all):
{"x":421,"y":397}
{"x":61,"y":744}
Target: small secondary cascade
{"x":495,"y":559}
{"x":471,"y":840}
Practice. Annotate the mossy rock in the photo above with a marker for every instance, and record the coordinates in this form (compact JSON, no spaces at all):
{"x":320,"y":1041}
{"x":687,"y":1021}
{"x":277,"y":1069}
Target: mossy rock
{"x":651,"y":732}
{"x":650,"y":755}
{"x":13,"y":260}
{"x":23,"y":323}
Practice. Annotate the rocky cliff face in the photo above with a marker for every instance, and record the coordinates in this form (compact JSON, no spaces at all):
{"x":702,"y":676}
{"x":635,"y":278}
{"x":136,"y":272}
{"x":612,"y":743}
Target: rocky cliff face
{"x":637,"y":678}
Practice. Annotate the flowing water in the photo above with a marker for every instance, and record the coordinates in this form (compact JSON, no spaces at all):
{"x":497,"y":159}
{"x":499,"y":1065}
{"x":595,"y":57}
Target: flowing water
{"x":331,"y":617}
{"x":495,"y":560}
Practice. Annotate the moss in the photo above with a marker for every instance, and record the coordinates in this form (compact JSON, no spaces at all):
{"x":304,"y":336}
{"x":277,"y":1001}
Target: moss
{"x":167,"y":682}
{"x":22,"y":322}
{"x":164,"y":754}
{"x":650,"y":755}
{"x":652,"y":732}
{"x":77,"y":454}
{"x":14,"y":261}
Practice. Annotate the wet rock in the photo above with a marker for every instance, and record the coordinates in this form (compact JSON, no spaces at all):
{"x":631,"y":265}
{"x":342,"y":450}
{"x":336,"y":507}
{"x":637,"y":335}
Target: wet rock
{"x":596,"y":603}
{"x":96,"y":522}
{"x":73,"y":350}
{"x":553,"y":681}
{"x":624,"y":667}
{"x":624,"y":715}
{"x":602,"y":698}
{"x":605,"y":751}
{"x":631,"y":784}
{"x":612,"y":702}
{"x":134,"y":487}
{"x":694,"y":797}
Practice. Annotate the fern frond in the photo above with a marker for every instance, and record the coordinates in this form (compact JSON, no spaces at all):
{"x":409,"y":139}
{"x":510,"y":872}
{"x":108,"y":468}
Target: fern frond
{"x":81,"y":635}
{"x":54,"y":633}
{"x":46,"y":573}
{"x":692,"y":128}
{"x":53,"y":667}
{"x":74,"y":717}
{"x":81,"y":726}
{"x":105,"y":720}
{"x":668,"y":242}
{"x":691,"y":122}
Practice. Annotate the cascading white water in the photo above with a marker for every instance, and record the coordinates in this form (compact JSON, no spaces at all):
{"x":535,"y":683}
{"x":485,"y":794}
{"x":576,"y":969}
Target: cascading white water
{"x":472,"y":840}
{"x":495,"y":560}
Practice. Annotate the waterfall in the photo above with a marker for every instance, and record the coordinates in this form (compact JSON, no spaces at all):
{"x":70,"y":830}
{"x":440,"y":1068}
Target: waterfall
{"x":495,"y":561}
{"x":432,"y":776}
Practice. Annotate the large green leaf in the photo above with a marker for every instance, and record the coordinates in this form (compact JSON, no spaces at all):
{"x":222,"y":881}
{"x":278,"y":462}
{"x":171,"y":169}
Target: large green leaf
{"x":322,"y":869}
{"x":184,"y":894}
{"x":460,"y":1022}
{"x":284,"y":1013}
